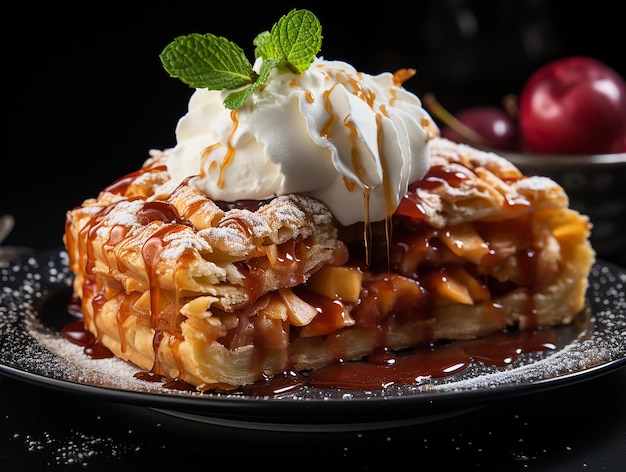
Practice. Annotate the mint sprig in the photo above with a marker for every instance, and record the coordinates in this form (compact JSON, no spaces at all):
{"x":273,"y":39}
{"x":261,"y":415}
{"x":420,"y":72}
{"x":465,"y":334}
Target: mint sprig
{"x":215,"y":63}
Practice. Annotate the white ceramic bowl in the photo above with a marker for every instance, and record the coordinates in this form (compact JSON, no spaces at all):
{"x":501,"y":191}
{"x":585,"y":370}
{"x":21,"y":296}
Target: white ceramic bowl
{"x":596,"y":185}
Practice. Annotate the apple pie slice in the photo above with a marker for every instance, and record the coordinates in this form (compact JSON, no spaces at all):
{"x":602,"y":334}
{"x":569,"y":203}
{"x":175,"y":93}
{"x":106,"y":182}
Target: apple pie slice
{"x":223,"y":294}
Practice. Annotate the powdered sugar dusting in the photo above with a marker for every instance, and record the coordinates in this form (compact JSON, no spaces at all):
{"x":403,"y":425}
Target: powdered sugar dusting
{"x":125,"y":213}
{"x":536,"y":183}
{"x":111,"y":372}
{"x":180,"y":241}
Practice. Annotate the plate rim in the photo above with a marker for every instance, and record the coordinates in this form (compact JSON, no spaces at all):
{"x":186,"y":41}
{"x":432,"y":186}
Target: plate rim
{"x":262,"y":410}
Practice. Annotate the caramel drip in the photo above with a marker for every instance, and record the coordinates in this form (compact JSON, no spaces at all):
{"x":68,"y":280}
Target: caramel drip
{"x":368,"y":96}
{"x":360,"y":172}
{"x":120,"y":186}
{"x":402,"y":75}
{"x":390,"y":206}
{"x":333,"y":314}
{"x":230,"y":149}
{"x":308,"y":94}
{"x":354,"y":152}
{"x":151,"y":253}
{"x":118,"y":232}
{"x":123,"y":312}
{"x":97,"y":302}
{"x":358,"y":90}
{"x":325,"y":131}
{"x":350,"y":185}
{"x":394,"y":96}
{"x":439,"y":175}
{"x":78,"y":334}
{"x":367,"y":226}
{"x":156,"y":345}
{"x":204,"y":156}
{"x":239,"y":224}
{"x":287,"y":258}
{"x":88,"y":233}
{"x":158,"y":211}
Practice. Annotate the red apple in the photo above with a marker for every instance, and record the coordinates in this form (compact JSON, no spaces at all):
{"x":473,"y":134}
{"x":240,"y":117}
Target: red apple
{"x":495,"y":127}
{"x":574,"y":105}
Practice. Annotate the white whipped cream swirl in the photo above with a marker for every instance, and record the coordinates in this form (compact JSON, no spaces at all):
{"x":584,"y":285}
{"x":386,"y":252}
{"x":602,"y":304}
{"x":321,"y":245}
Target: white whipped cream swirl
{"x":351,"y":140}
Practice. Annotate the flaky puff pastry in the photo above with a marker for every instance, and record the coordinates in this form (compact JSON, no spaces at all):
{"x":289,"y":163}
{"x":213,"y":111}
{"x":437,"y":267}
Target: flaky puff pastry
{"x":513,"y":230}
{"x":476,"y":247}
{"x":222,"y":295}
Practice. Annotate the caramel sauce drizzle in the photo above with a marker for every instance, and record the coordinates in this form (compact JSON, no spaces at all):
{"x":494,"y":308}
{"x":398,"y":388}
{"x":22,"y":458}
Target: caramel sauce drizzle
{"x":325,"y":131}
{"x":308,"y":94}
{"x":230,"y":152}
{"x":204,"y":156}
{"x":390,"y":206}
{"x":122,"y":314}
{"x":120,"y":186}
{"x":368,"y":96}
{"x":228,"y":156}
{"x":99,"y":294}
{"x":402,"y":75}
{"x":163,"y":316}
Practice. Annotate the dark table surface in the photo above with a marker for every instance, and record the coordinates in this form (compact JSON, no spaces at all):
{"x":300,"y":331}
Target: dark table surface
{"x":581,"y":427}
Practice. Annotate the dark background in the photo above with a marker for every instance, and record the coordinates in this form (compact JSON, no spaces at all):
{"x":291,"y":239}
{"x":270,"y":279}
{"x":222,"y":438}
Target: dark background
{"x":86,"y":97}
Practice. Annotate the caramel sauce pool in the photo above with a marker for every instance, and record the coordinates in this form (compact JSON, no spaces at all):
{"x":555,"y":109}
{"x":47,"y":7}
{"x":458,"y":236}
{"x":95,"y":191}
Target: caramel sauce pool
{"x":381,"y":369}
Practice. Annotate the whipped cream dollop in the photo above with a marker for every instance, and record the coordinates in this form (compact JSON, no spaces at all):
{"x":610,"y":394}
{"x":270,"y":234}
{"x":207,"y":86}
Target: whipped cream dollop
{"x":351,"y":140}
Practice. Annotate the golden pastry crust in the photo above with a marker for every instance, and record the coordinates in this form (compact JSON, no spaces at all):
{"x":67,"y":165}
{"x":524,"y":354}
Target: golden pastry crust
{"x":220,"y":295}
{"x":501,"y":225}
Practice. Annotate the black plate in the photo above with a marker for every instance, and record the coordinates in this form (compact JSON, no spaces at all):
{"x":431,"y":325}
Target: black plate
{"x":33,"y":310}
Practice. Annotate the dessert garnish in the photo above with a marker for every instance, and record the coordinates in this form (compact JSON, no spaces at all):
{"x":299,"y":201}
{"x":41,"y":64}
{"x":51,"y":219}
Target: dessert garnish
{"x":295,"y":123}
{"x":215,"y":63}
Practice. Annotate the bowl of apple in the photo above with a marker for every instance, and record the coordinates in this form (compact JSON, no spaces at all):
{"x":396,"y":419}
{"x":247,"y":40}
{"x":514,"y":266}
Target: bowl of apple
{"x":568,"y":123}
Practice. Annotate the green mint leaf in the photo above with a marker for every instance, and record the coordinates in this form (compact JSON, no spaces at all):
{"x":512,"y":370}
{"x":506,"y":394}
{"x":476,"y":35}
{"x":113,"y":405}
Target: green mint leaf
{"x":207,"y":61}
{"x":260,"y":42}
{"x":235,"y":100}
{"x":215,"y":63}
{"x":296,"y":38}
